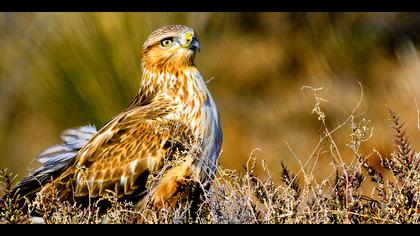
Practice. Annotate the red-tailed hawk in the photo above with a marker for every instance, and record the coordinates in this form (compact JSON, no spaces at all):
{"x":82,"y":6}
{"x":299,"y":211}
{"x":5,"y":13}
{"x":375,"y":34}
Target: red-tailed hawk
{"x":169,"y":135}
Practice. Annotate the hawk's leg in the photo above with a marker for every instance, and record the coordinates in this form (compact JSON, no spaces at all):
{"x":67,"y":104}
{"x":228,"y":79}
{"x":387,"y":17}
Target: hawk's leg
{"x":171,"y":181}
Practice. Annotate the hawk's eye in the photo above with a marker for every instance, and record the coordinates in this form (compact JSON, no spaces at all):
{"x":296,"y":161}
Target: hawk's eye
{"x":166,"y":42}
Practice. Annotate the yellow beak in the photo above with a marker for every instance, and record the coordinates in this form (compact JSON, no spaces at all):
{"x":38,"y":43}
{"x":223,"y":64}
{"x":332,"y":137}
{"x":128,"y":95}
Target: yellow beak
{"x":188,"y":38}
{"x":191,"y":42}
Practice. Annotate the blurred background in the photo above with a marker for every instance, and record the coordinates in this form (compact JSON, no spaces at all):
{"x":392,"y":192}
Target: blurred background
{"x":63,"y":70}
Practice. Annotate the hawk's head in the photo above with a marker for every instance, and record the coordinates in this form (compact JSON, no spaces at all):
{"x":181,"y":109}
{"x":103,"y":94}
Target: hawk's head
{"x":170,"y":46}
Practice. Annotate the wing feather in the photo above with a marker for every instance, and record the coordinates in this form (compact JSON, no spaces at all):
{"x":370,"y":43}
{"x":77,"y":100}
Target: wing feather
{"x":55,"y":159}
{"x":128,"y":147}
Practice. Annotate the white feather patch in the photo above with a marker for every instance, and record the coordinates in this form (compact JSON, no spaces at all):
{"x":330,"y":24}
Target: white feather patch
{"x":123,"y":180}
{"x":133,"y":166}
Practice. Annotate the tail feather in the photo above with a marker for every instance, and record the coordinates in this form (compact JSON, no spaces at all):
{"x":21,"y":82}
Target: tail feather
{"x":77,"y":138}
{"x":55,"y":159}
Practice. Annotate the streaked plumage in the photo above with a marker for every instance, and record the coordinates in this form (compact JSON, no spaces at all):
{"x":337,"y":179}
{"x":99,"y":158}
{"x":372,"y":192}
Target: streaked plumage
{"x":171,"y":130}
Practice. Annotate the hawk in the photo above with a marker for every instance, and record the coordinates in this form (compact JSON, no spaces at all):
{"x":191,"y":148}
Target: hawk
{"x":170,"y":135}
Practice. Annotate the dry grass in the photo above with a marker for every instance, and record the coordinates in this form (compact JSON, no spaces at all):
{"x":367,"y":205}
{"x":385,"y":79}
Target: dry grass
{"x":355,"y":192}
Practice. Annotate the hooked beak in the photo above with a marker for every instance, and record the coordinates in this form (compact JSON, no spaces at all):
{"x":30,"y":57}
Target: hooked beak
{"x":194,"y":45}
{"x":192,"y":42}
